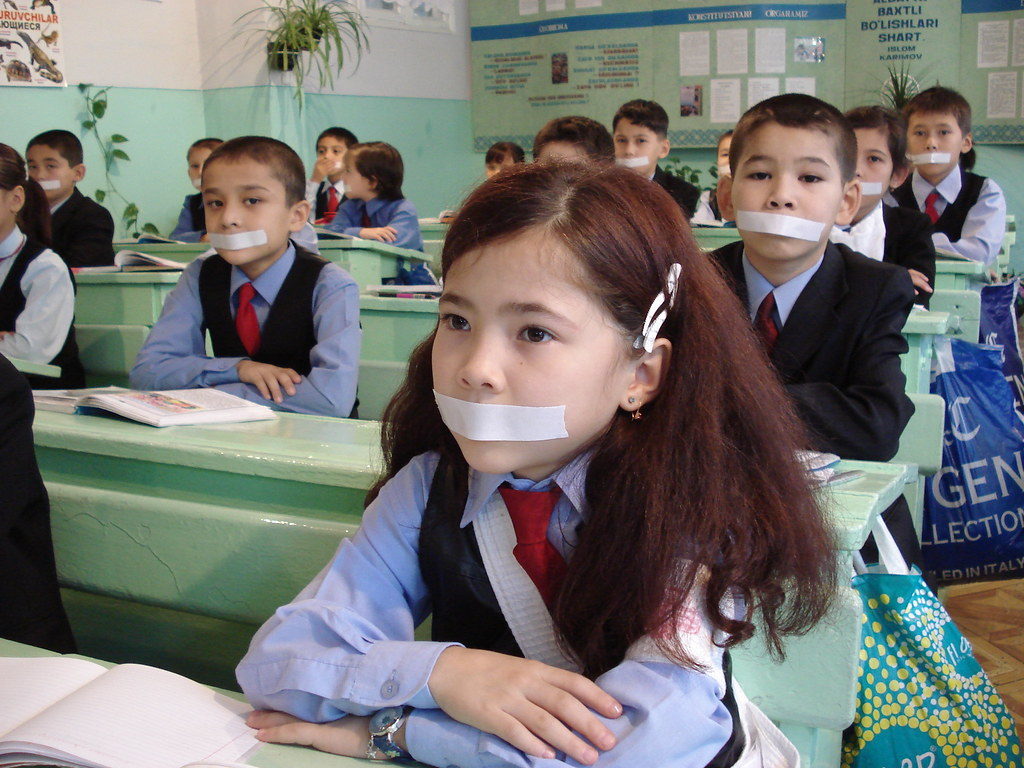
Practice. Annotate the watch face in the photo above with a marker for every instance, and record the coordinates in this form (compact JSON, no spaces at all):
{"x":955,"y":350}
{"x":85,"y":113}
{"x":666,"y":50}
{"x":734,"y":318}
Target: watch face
{"x":384,"y":719}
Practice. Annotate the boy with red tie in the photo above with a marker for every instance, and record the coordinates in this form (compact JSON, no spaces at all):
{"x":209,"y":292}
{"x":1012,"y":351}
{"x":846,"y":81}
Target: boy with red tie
{"x":325,"y":189}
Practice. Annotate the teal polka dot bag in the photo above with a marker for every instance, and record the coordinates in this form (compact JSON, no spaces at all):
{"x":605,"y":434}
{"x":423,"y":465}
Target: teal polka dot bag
{"x":923,"y":701}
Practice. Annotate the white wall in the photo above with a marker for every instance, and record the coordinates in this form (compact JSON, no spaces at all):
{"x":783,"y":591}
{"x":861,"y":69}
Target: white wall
{"x":129,"y":43}
{"x":400,"y":63}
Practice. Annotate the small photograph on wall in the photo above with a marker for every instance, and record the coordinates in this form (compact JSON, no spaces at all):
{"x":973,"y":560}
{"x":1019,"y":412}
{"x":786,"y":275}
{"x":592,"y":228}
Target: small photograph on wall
{"x":691,"y":100}
{"x":559,"y":68}
{"x":809,"y":50}
{"x":31,"y":50}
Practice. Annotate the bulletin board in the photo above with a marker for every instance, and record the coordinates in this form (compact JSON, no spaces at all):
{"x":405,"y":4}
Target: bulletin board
{"x":992,"y":68}
{"x":534,"y":60}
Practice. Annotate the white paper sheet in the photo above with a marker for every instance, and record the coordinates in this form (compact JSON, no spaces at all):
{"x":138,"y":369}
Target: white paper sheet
{"x":800,"y":85}
{"x":770,"y":50}
{"x":761,"y":88}
{"x":725,"y":101}
{"x":732,"y":51}
{"x":993,"y":43}
{"x":1002,"y":95}
{"x":694,"y":53}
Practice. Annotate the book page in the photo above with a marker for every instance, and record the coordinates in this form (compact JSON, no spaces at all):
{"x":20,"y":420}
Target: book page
{"x":142,"y":716}
{"x":28,"y":686}
{"x":136,"y":258}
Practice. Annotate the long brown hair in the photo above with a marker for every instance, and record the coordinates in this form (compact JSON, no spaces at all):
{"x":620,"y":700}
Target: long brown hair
{"x":703,"y":494}
{"x":34,"y":217}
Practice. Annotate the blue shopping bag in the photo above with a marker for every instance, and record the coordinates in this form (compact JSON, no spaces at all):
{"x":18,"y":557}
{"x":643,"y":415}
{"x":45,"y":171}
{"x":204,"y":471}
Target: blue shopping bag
{"x":998,"y":328}
{"x":974,"y":505}
{"x":923,"y":701}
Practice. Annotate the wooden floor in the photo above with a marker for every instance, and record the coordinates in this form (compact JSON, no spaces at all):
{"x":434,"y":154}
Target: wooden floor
{"x":991,"y":615}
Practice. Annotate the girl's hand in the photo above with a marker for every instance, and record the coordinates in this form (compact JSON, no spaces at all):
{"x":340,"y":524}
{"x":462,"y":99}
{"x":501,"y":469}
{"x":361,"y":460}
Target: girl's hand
{"x":347,"y":736}
{"x":384,"y":234}
{"x":530,"y":705}
{"x":920,"y":281}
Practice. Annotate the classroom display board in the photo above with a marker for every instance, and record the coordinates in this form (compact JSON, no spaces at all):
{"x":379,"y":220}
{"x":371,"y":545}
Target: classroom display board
{"x":30,"y":45}
{"x":534,"y":60}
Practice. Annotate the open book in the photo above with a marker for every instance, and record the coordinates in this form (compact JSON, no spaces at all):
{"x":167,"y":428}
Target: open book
{"x":173,"y":407}
{"x":135,"y":261}
{"x":322,"y":233}
{"x":71,"y":712}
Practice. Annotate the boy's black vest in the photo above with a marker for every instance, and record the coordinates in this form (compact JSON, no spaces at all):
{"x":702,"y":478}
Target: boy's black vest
{"x":12,"y":303}
{"x":198,"y":212}
{"x":465,"y":608}
{"x":287,"y":335}
{"x":951,"y":222}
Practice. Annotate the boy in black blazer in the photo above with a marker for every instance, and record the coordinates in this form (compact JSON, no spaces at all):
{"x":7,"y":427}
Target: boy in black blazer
{"x":640,"y":132}
{"x":83,"y":230}
{"x":830,"y":319}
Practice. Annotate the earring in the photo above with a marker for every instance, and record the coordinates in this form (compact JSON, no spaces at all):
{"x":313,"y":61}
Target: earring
{"x":636,"y":416}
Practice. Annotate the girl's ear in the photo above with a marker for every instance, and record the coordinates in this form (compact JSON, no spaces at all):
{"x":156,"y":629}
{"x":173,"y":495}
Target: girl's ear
{"x":648,"y":376}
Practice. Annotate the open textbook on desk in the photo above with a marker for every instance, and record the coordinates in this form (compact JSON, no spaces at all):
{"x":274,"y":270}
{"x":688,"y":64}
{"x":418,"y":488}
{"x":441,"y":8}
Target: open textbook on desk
{"x":168,"y":408}
{"x":134,"y":261}
{"x":74,"y":713}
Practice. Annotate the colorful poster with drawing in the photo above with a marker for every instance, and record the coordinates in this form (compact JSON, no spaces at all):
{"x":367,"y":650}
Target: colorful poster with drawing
{"x":31,"y":51}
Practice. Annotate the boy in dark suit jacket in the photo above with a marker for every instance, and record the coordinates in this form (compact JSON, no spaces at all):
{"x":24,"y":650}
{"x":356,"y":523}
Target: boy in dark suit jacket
{"x":83,"y":230}
{"x":640,"y":132}
{"x":830,"y":319}
{"x":331,"y":146}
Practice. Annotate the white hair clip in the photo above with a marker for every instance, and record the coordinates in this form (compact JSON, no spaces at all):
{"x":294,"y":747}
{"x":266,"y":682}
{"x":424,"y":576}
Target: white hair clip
{"x":659,"y":311}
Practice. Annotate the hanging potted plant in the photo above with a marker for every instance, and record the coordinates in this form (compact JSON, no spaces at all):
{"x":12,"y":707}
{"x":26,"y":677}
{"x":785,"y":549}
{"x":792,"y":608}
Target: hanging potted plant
{"x":307,"y":35}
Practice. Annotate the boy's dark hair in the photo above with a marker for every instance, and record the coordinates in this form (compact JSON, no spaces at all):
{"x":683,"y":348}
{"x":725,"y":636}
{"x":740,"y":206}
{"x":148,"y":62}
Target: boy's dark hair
{"x":585,"y":133}
{"x":648,"y":114}
{"x":343,"y":135}
{"x":798,"y":110}
{"x":380,"y":162}
{"x":889,"y":122}
{"x":503,"y":150}
{"x":939,"y":99}
{"x":209,"y":143}
{"x":284,"y":164}
{"x":65,"y":142}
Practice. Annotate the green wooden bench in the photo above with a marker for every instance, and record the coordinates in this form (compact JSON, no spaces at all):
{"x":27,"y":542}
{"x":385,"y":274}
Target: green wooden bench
{"x":36,"y":369}
{"x":173,"y":545}
{"x":964,"y":308}
{"x":959,"y":274}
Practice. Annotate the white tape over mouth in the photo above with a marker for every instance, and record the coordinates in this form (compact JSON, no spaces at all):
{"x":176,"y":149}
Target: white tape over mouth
{"x":927,"y":158}
{"x":871,"y":188}
{"x":49,"y":184}
{"x":631,"y":162}
{"x":197,"y":183}
{"x":780,"y":224}
{"x":724,"y":170}
{"x":236,"y":241}
{"x":491,"y":422}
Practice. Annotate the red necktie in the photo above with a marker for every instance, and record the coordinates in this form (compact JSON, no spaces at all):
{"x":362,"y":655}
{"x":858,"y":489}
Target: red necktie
{"x":246,"y":324}
{"x":929,"y":206}
{"x":366,"y":218}
{"x":531,"y":513}
{"x":332,"y":205}
{"x":764,"y":322}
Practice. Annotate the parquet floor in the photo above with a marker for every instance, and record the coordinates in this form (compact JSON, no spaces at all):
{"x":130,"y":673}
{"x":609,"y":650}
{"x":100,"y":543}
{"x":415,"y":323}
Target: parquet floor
{"x":991,"y":615}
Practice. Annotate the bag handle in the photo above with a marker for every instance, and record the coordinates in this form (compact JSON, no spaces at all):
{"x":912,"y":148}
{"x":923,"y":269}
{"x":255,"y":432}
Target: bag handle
{"x":890,"y":558}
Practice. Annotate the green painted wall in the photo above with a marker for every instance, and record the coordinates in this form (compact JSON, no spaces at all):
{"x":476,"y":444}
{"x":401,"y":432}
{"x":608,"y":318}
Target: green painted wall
{"x":433,"y":136}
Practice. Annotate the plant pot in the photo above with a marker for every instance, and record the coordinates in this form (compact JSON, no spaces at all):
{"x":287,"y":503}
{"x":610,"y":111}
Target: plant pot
{"x":281,"y":58}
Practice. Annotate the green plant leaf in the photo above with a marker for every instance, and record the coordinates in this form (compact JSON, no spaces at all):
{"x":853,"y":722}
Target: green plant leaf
{"x":88,"y":124}
{"x":99,"y":195}
{"x":83,"y":87}
{"x":131,"y":211}
{"x":120,"y":154}
{"x":99,"y":108}
{"x":150,"y":227}
{"x":117,"y":138}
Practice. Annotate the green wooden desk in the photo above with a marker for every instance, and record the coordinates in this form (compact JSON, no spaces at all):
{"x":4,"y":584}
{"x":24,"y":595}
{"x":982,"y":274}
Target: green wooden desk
{"x":368,"y":261}
{"x":37,"y":369}
{"x":710,"y":238}
{"x":920,"y":329}
{"x":173,"y":545}
{"x":434,"y":234}
{"x":267,"y":756}
{"x":964,"y":309}
{"x":959,"y":274}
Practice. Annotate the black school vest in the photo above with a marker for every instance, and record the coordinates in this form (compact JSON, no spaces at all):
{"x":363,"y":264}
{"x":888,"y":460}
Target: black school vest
{"x":287,"y":335}
{"x":198,"y":212}
{"x":951,"y":222}
{"x":12,"y":303}
{"x":465,"y":608}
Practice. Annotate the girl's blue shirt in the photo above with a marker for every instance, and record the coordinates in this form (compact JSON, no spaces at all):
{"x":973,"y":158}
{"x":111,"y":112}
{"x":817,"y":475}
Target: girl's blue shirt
{"x":345,"y":644}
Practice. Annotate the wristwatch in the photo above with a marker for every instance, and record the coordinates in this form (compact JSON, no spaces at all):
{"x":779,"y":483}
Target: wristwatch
{"x":383,"y":726}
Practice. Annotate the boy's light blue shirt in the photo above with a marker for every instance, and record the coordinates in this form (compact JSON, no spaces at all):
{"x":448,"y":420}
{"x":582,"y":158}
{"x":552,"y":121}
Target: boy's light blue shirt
{"x":345,"y":644}
{"x":174,"y":355}
{"x":400,"y":214}
{"x":982,"y":234}
{"x":785,"y":295}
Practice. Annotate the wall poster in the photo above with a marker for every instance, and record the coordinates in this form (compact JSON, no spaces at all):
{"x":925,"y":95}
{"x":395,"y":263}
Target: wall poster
{"x":31,"y":52}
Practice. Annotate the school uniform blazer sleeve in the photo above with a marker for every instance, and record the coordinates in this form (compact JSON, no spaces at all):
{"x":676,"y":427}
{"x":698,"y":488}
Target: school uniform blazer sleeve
{"x":345,"y":645}
{"x":185,"y":230}
{"x":83,"y":232}
{"x":908,"y":243}
{"x":838,"y":354}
